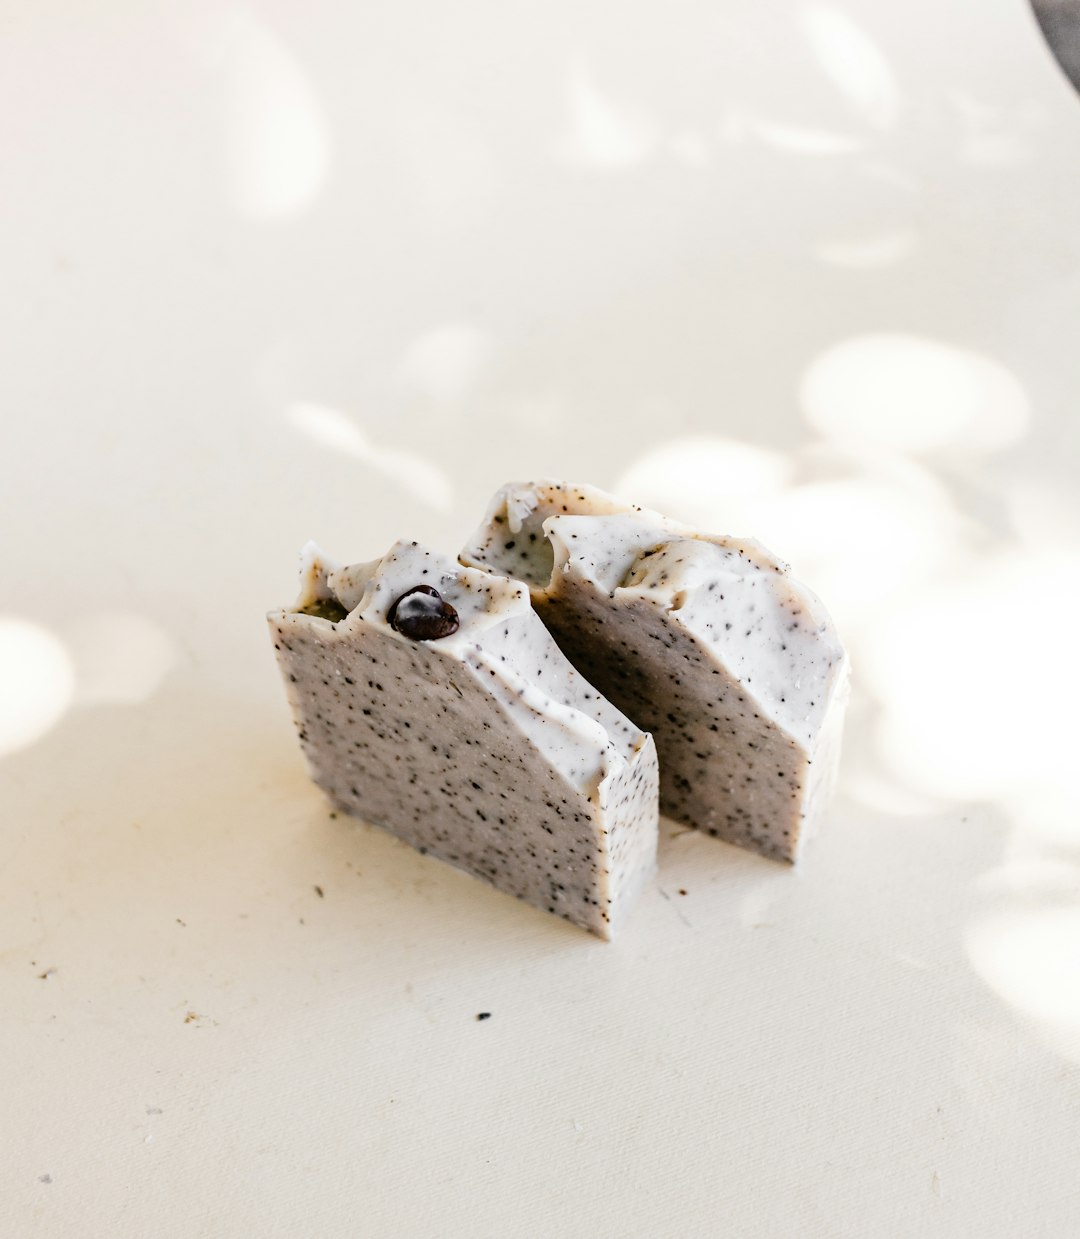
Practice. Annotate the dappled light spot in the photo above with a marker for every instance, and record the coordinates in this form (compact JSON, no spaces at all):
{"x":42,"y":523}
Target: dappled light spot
{"x":119,"y":657}
{"x":996,"y":136}
{"x":444,"y":363}
{"x":1030,"y":957}
{"x":802,"y":140}
{"x":978,"y":679}
{"x":861,"y":541}
{"x":418,"y":477}
{"x":330,"y":428}
{"x":707,"y":480}
{"x":864,"y":529}
{"x":452,"y":171}
{"x":38,"y":683}
{"x":1045,"y":812}
{"x":734,"y":127}
{"x":691,"y":149}
{"x":868,"y":253}
{"x":277,"y":142}
{"x":890,"y":175}
{"x":996,"y":150}
{"x":1043,"y":513}
{"x":871,"y":789}
{"x":530,"y":409}
{"x":1027,"y":875}
{"x":853,"y":62}
{"x":911,"y":394}
{"x":603,"y":133}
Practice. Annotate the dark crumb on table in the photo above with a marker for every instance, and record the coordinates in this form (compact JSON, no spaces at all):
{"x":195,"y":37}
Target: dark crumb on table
{"x":333,"y":817}
{"x":484,"y":1015}
{"x":681,"y":891}
{"x":320,"y":892}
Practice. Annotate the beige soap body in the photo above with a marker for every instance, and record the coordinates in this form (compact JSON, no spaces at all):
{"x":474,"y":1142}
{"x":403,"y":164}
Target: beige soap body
{"x":706,"y":642}
{"x":482,"y":746}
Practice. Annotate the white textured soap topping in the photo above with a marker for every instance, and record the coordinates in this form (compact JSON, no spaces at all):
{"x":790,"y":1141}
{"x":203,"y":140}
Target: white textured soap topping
{"x":484,"y":747}
{"x":732,"y":594}
{"x":707,"y":642}
{"x":512,"y":532}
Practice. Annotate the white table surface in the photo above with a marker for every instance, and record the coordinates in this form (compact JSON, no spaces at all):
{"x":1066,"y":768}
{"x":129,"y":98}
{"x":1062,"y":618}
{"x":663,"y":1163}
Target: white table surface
{"x":283,"y":271}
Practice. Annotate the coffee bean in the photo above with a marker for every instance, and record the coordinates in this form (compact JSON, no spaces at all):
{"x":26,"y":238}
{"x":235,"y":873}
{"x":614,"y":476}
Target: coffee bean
{"x":421,"y":615}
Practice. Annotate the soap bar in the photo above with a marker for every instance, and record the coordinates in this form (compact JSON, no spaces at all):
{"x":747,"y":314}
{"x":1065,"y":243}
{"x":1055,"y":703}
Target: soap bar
{"x":706,"y":642}
{"x":431,"y":700}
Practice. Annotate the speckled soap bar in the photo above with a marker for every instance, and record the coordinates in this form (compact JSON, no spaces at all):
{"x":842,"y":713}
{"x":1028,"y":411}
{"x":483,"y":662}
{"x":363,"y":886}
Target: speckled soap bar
{"x":706,"y":642}
{"x":432,"y":701}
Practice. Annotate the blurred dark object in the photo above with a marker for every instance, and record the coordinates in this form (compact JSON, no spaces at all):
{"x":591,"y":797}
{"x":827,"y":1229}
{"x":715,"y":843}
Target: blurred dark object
{"x":1060,"y":22}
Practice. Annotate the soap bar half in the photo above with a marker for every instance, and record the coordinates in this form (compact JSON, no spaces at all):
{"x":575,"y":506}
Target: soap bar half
{"x":432,"y":701}
{"x":706,"y":642}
